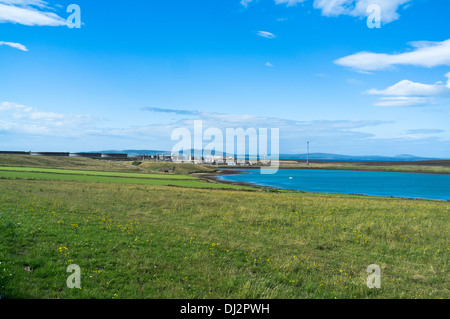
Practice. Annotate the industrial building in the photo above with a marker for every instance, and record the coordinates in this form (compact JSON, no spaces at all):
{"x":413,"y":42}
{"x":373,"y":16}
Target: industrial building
{"x":208,"y":160}
{"x":103,"y":156}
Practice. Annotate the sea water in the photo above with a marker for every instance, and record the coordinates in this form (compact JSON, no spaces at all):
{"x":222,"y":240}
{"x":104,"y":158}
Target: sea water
{"x":408,"y":185}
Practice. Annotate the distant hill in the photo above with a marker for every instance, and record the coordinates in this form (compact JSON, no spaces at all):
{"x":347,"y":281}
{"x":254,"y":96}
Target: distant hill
{"x":301,"y":157}
{"x":351,"y":158}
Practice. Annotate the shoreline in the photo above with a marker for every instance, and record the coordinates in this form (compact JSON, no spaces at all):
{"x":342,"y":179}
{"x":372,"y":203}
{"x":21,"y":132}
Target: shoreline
{"x":214,"y":177}
{"x":346,"y":169}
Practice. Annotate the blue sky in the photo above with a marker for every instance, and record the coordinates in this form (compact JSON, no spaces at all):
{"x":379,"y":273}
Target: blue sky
{"x":137,"y":70}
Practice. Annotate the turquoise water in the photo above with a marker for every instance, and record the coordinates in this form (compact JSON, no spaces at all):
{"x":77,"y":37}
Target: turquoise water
{"x":408,"y":185}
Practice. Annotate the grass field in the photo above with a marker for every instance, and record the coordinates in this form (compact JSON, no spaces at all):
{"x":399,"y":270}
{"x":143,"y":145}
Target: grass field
{"x":86,"y":164}
{"x":158,"y":241}
{"x":118,"y":180}
{"x":96,"y":173}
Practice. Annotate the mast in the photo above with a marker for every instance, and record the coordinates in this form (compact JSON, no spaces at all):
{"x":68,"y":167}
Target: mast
{"x":307,"y":153}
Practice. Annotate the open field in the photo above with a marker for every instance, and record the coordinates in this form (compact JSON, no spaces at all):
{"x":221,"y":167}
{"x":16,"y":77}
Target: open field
{"x":86,"y":164}
{"x":118,"y":180}
{"x":78,"y":163}
{"x":159,"y":241}
{"x":96,"y":173}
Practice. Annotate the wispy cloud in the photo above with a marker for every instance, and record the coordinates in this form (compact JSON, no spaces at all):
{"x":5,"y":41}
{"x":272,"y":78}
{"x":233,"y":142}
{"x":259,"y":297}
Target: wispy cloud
{"x":29,"y":12}
{"x":358,"y":8}
{"x":354,"y":8}
{"x":408,"y":93}
{"x":425,"y":131}
{"x":24,"y":119}
{"x":289,"y":3}
{"x":246,"y":2}
{"x":402,"y":101}
{"x":270,"y":65}
{"x":290,"y":129}
{"x":26,"y":126}
{"x":355,"y":81}
{"x":266,"y":34}
{"x":174,"y":111}
{"x":425,"y":54}
{"x":14,"y":45}
{"x":409,"y":88}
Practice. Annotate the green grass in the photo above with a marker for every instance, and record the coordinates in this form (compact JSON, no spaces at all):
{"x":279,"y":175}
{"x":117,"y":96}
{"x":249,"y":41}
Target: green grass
{"x":180,"y":168}
{"x":87,"y":164}
{"x":194,"y":183}
{"x":97,"y":173}
{"x":137,"y":241}
{"x":77,"y":163}
{"x":143,"y":238}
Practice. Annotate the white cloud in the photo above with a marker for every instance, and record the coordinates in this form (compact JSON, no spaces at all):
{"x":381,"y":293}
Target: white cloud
{"x":358,"y":8}
{"x":290,"y":129}
{"x":46,"y":131}
{"x":266,"y":34}
{"x":245,"y":2}
{"x":402,"y":101}
{"x":332,"y":136}
{"x":354,"y":81}
{"x":25,"y":126}
{"x":409,"y":88}
{"x":355,"y":8}
{"x":29,"y":12}
{"x":270,"y":65}
{"x":425,"y":54}
{"x":408,"y":93}
{"x":36,"y":3}
{"x":289,"y":3}
{"x":425,"y":131}
{"x":25,"y":119}
{"x":5,"y":106}
{"x":14,"y":45}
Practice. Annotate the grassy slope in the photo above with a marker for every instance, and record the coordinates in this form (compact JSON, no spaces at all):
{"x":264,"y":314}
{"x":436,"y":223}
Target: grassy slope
{"x":78,"y":163}
{"x":119,"y":180}
{"x":163,"y":242}
{"x":86,"y":164}
{"x":134,"y":241}
{"x":180,"y":168}
{"x":96,"y":173}
{"x":88,"y":170}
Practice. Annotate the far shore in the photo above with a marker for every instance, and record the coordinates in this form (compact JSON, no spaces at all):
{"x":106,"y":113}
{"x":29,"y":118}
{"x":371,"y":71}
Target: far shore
{"x":436,"y":167}
{"x":424,"y":167}
{"x":214,"y":178}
